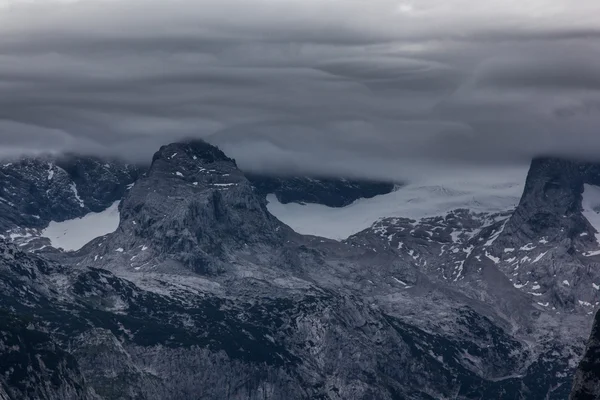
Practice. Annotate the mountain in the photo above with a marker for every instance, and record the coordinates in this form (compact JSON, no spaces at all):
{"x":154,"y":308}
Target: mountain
{"x":193,"y":209}
{"x":33,"y":363}
{"x":551,"y":243}
{"x":435,"y":195}
{"x":200,"y":292}
{"x":587,"y":379}
{"x":35,"y":192}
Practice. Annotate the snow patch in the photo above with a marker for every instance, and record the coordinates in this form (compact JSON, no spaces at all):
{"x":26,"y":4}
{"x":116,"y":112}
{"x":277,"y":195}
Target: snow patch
{"x":591,"y":207}
{"x":491,"y":257}
{"x":461,"y":266}
{"x":597,"y":287}
{"x":179,"y":174}
{"x":73,"y":234}
{"x":480,"y":191}
{"x":399,"y":281}
{"x":538,"y":258}
{"x":468,"y":250}
{"x":2,"y":199}
{"x":527,"y":247}
{"x":495,"y":235}
{"x":19,"y":235}
{"x":592,"y":253}
{"x":76,"y":193}
{"x":455,"y":236}
{"x":566,"y":283}
{"x":519,"y":286}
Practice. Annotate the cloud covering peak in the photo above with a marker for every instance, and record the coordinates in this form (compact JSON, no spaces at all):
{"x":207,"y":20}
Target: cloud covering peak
{"x":329,"y":86}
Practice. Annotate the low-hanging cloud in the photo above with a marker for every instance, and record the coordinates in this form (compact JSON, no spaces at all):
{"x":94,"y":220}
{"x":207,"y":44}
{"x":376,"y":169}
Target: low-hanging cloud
{"x":323,"y":86}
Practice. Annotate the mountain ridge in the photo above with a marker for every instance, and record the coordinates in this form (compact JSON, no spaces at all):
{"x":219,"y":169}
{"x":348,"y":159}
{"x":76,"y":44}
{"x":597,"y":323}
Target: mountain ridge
{"x":201,"y":289}
{"x":36,"y":191}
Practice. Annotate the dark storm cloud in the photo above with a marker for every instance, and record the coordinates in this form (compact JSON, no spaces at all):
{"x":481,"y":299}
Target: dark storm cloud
{"x":572,"y":70}
{"x":330,"y":86}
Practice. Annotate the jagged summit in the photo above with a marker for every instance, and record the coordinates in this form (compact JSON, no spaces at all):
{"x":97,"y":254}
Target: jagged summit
{"x":553,"y":197}
{"x":333,"y":192}
{"x":193,"y":207}
{"x":196,"y":149}
{"x":550,"y":245}
{"x":559,"y":205}
{"x":201,"y":292}
{"x":49,"y":199}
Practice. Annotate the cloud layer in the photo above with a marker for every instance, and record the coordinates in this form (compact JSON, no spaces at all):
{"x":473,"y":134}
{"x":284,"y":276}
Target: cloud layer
{"x":372,"y":88}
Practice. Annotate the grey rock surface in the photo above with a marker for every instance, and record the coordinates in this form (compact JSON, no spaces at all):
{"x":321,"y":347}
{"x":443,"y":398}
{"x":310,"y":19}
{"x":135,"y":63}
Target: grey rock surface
{"x":202,"y":294}
{"x":33,"y":365}
{"x":35,"y":191}
{"x":587,"y":379}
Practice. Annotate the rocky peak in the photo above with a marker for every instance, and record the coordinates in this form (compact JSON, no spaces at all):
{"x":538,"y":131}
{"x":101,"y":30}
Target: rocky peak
{"x":197,"y":150}
{"x":193,"y":208}
{"x":549,"y":246}
{"x":296,"y":311}
{"x":552,"y":199}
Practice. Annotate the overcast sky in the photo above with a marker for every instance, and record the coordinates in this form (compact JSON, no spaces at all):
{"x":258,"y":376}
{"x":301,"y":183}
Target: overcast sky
{"x":361,"y":87}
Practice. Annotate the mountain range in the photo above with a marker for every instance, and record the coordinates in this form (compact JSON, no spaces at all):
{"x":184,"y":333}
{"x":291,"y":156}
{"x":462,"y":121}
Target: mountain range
{"x":181,"y":280}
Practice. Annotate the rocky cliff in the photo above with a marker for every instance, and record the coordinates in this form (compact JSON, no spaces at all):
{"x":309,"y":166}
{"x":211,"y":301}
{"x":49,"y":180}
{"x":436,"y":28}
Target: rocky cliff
{"x":201,"y":293}
{"x":35,"y":191}
{"x":587,"y":379}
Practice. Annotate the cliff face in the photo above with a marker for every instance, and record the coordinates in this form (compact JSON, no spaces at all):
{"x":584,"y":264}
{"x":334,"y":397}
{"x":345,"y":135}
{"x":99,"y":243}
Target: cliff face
{"x":202,"y":293}
{"x":33,"y":366}
{"x":587,"y":379}
{"x":35,"y":191}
